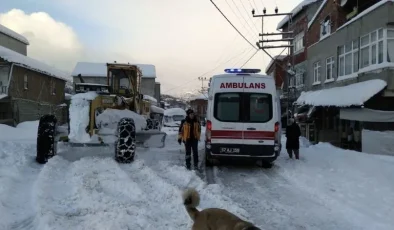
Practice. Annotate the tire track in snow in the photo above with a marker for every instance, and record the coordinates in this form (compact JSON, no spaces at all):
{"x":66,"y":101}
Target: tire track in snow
{"x":97,"y":193}
{"x":18,"y":172}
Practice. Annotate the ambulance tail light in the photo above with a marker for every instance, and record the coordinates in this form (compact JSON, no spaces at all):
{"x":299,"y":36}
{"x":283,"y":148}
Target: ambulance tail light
{"x":208,"y":131}
{"x":277,"y":144}
{"x":277,"y":127}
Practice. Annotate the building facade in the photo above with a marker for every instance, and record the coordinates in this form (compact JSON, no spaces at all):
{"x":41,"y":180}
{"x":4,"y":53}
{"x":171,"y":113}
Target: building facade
{"x":351,"y":42}
{"x":28,"y":88}
{"x":298,"y":26}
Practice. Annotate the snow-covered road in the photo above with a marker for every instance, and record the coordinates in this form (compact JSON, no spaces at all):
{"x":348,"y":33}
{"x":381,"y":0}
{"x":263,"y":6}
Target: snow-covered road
{"x":86,"y":189}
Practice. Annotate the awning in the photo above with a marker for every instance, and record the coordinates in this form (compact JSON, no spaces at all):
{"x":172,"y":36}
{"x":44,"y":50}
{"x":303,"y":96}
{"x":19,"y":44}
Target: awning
{"x":345,"y":96}
{"x":364,"y":114}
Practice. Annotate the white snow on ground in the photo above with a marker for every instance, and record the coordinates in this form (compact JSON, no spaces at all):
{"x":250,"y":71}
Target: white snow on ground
{"x":84,"y":188}
{"x":26,"y":131}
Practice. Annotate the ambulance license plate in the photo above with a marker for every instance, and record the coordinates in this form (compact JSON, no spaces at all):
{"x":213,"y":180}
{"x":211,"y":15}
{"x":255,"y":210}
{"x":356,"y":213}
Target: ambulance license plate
{"x":229,"y":150}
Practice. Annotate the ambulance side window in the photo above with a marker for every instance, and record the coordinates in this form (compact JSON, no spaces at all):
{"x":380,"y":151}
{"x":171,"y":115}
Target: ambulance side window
{"x":227,"y":107}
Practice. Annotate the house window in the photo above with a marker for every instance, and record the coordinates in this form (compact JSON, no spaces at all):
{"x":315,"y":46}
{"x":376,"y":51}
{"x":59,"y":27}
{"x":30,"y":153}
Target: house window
{"x":371,"y":48}
{"x":348,"y":58}
{"x":316,"y":72}
{"x":299,"y":78}
{"x":390,"y":45}
{"x":299,"y":42}
{"x":25,"y":82}
{"x":325,"y":27}
{"x":329,"y":68}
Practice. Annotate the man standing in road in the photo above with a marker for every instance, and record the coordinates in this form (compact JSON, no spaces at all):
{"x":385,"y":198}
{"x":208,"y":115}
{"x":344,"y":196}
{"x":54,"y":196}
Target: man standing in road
{"x":189,"y":133}
{"x":293,"y":134}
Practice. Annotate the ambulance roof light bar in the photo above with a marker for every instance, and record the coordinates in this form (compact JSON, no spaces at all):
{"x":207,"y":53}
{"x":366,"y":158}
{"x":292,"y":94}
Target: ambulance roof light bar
{"x":242,"y":70}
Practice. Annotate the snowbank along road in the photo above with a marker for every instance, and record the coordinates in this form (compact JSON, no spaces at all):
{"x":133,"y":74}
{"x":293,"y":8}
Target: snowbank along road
{"x":328,"y":188}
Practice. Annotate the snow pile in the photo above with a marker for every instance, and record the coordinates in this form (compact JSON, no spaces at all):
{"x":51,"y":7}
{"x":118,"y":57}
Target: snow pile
{"x":109,"y":119}
{"x":92,"y":69}
{"x":156,"y":109}
{"x":294,"y":12}
{"x":30,"y":63}
{"x":174,"y":111}
{"x":150,"y":98}
{"x":13,"y":34}
{"x":344,"y":96}
{"x":3,"y":96}
{"x":25,"y":131}
{"x":376,"y":142}
{"x":79,"y":116}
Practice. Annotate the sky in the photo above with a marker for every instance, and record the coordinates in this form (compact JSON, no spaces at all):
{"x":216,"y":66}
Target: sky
{"x":184,"y":39}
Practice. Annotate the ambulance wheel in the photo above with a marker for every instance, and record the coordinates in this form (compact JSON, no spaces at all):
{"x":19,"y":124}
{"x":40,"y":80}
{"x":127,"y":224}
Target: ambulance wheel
{"x":125,"y":144}
{"x":46,"y":138}
{"x":267,"y":164}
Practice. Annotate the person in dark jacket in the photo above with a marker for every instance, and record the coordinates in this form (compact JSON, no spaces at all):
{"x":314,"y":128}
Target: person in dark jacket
{"x":293,"y":133}
{"x":189,"y":133}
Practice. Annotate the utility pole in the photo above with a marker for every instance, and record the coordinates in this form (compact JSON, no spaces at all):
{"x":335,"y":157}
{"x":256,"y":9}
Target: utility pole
{"x":286,"y":37}
{"x":202,"y":79}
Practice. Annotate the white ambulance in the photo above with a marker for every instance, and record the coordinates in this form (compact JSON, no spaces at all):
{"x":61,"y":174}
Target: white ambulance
{"x":243,"y":117}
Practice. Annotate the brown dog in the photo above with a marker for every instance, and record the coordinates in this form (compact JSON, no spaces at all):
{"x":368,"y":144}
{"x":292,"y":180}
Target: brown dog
{"x":212,"y":218}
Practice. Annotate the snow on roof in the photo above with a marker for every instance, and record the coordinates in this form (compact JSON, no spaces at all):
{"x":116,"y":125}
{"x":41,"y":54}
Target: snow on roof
{"x":344,"y":96}
{"x":317,"y":13}
{"x":200,"y":97}
{"x":277,"y":57}
{"x":295,"y":11}
{"x":365,"y":12}
{"x":150,"y":98}
{"x":13,"y":34}
{"x":3,"y":96}
{"x":30,"y":63}
{"x":94,"y":69}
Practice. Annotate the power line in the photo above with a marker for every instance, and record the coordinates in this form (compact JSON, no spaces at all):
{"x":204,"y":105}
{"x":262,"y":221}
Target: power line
{"x":243,"y":24}
{"x":242,"y":58}
{"x":250,"y":17}
{"x":232,"y":24}
{"x":249,"y":59}
{"x":243,"y":16}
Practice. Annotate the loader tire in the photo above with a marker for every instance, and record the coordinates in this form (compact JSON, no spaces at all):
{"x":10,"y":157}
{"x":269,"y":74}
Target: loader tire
{"x":46,"y":138}
{"x":149,"y":124}
{"x":156,"y":124}
{"x":125,"y":145}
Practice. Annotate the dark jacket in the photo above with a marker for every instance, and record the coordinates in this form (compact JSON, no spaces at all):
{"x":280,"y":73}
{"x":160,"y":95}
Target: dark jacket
{"x":190,"y":129}
{"x":293,"y":133}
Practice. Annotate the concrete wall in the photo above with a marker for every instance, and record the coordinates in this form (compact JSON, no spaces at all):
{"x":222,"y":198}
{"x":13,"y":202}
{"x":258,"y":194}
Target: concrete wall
{"x":148,"y":86}
{"x":329,"y":47}
{"x":13,"y":44}
{"x":157,"y":91}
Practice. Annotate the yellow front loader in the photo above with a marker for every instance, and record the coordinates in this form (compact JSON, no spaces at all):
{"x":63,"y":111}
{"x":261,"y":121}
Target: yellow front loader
{"x":101,"y":115}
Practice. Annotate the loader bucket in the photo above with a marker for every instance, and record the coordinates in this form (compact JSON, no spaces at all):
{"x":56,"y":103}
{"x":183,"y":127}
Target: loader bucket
{"x":151,"y":139}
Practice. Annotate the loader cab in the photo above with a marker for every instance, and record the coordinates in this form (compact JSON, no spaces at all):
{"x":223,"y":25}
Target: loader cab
{"x":124,"y":79}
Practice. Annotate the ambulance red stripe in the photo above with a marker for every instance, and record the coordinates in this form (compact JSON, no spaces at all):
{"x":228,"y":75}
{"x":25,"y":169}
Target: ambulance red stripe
{"x":237,"y":134}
